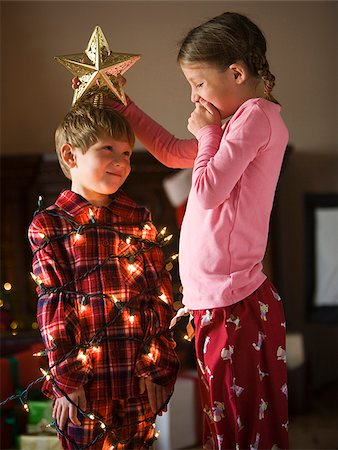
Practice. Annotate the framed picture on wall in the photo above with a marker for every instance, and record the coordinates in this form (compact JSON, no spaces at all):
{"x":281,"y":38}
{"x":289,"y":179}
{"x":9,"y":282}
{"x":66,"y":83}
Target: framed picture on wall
{"x":321,"y":257}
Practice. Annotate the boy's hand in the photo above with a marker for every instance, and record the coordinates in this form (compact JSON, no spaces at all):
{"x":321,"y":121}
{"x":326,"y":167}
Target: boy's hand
{"x":64,"y":410}
{"x":157,"y":394}
{"x":204,"y":114}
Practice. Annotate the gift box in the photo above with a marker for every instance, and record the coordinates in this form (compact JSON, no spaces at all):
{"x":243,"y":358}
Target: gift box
{"x":181,"y":426}
{"x":39,"y":415}
{"x":39,"y":442}
{"x":17,"y":372}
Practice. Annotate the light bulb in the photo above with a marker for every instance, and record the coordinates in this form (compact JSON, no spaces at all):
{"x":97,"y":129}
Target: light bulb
{"x":91,"y":216}
{"x":7,"y":286}
{"x":131,"y":268}
{"x":164,"y":298}
{"x":163,"y":231}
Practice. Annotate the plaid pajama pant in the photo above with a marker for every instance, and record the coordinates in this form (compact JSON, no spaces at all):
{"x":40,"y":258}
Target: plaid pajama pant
{"x":241,"y":357}
{"x":127,"y":420}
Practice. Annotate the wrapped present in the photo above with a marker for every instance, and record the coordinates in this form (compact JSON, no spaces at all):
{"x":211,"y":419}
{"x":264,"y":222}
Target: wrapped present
{"x":39,"y":415}
{"x":17,"y":371}
{"x":180,"y":427}
{"x":39,"y":442}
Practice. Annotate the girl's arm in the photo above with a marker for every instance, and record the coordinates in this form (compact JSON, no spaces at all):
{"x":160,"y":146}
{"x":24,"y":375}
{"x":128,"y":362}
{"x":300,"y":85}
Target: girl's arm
{"x":169,"y":150}
{"x":223,"y":156}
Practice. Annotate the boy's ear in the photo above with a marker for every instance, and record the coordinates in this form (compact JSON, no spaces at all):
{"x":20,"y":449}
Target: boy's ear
{"x":240,"y":72}
{"x":68,"y":155}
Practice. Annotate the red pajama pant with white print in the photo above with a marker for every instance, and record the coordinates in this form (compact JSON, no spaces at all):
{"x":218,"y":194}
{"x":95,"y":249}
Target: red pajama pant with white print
{"x":129,"y":422}
{"x":241,"y":357}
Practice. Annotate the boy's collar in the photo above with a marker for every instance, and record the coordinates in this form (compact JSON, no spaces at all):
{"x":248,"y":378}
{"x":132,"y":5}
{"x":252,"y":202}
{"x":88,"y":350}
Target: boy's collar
{"x":74,"y":203}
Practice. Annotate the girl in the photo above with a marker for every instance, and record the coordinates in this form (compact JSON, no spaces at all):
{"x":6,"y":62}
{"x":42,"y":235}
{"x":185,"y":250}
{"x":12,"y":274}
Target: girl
{"x":238,"y":315}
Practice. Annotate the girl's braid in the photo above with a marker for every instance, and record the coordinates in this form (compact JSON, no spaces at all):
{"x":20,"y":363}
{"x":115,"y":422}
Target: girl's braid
{"x":261,"y":66}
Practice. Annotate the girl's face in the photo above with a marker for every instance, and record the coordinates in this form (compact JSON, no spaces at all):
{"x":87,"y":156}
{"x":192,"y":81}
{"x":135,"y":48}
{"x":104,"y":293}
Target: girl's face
{"x":223,"y":89}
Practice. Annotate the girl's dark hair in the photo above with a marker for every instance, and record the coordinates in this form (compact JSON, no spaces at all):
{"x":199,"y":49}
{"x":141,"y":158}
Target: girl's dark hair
{"x":226,"y":39}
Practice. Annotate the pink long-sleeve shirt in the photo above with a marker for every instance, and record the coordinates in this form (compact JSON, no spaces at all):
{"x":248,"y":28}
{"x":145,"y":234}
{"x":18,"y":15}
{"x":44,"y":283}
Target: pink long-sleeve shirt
{"x":235,"y":171}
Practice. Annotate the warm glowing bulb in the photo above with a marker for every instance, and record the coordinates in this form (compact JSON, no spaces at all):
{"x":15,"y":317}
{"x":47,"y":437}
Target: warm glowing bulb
{"x":91,"y":216}
{"x":14,"y":325}
{"x":83,"y":308}
{"x":131,"y":319}
{"x":7,"y":286}
{"x":168,"y":238}
{"x":35,"y":325}
{"x":146,"y":227}
{"x":131,"y":268}
{"x":115,"y":300}
{"x":78,"y":237}
{"x":157,"y":434}
{"x":173,"y":257}
{"x":45,"y":374}
{"x":91,"y":416}
{"x":163,"y":231}
{"x":186,"y":337}
{"x":128,"y":240}
{"x":103,"y":426}
{"x":1,"y":303}
{"x":151,"y":356}
{"x":81,"y":356}
{"x":26,"y":407}
{"x":42,"y":235}
{"x":164,"y":298}
{"x":37,"y":279}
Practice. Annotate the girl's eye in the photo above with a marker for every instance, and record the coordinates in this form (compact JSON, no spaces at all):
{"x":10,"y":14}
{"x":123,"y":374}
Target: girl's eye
{"x":199,"y":85}
{"x":127,"y":153}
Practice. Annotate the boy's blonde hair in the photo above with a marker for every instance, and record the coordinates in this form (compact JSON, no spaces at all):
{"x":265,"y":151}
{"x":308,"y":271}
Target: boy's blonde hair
{"x":82,"y":126}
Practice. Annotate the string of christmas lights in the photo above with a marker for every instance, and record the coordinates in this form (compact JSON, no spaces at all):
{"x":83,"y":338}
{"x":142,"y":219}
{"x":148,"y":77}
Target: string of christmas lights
{"x":127,"y":307}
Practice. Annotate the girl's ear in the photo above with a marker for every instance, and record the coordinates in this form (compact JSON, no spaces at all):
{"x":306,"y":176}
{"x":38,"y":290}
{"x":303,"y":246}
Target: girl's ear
{"x":68,"y":155}
{"x":240,"y":72}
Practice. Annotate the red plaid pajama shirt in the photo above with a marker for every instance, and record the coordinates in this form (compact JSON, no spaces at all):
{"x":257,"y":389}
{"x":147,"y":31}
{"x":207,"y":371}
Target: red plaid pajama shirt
{"x":95,"y":270}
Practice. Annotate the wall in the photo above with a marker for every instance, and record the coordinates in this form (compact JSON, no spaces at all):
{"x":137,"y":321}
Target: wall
{"x":36,"y":91}
{"x":304,"y":173}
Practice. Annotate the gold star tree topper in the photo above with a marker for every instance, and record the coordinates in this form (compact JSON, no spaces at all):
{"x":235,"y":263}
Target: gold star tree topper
{"x":98,"y":69}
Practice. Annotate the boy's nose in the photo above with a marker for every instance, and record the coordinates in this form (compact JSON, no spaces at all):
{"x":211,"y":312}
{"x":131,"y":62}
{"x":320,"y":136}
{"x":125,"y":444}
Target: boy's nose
{"x":118,"y":160}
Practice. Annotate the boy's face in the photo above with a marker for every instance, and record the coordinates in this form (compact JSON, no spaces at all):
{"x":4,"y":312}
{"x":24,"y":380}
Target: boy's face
{"x":102,"y":170}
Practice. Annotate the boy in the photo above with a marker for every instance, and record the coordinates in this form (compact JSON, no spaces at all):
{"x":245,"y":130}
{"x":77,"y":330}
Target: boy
{"x":104,"y":299}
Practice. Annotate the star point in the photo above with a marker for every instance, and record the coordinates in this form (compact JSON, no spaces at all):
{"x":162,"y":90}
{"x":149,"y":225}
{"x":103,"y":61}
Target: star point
{"x":98,"y":68}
